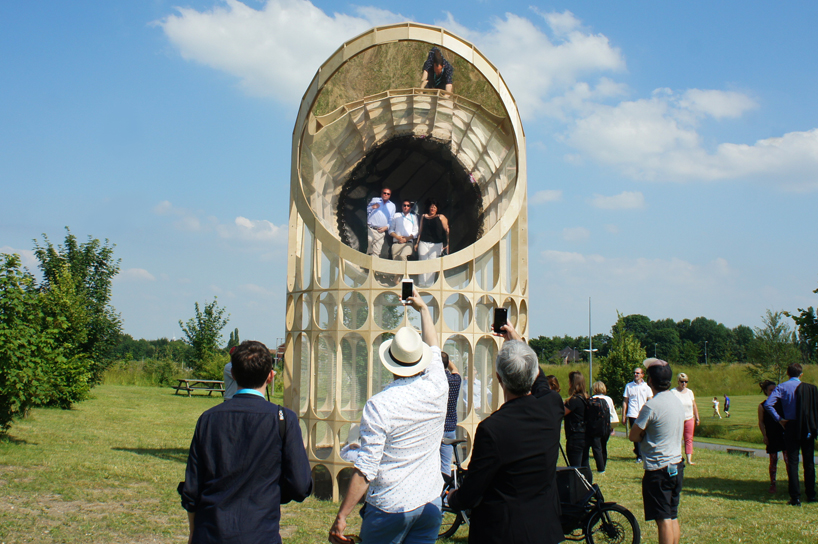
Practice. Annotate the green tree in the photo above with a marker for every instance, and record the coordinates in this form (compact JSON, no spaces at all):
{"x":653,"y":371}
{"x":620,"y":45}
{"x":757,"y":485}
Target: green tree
{"x":65,"y":313}
{"x":234,"y":339}
{"x":203,"y":332}
{"x":807,"y":326}
{"x":27,"y":342}
{"x":92,"y":266}
{"x":773,"y":349}
{"x":625,"y":353}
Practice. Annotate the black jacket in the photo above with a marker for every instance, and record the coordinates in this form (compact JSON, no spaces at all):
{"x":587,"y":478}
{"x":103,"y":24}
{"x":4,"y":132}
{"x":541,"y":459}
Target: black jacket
{"x":806,"y":403}
{"x":239,"y":473}
{"x":511,"y":482}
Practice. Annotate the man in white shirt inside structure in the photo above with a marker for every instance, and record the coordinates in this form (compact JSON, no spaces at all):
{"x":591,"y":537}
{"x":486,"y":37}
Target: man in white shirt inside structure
{"x":379,"y":213}
{"x":398,"y":463}
{"x":636,"y":395}
{"x":404,"y":229}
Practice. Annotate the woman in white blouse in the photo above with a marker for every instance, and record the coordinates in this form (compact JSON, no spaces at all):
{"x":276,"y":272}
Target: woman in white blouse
{"x":691,"y":414}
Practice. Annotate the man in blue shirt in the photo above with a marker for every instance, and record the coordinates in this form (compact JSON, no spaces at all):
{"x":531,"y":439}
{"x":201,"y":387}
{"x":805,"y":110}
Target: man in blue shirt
{"x":794,"y":443}
{"x":246,"y":459}
{"x":379,"y":214}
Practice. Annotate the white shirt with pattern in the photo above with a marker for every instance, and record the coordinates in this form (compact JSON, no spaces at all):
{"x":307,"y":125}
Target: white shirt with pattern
{"x":401,"y":430}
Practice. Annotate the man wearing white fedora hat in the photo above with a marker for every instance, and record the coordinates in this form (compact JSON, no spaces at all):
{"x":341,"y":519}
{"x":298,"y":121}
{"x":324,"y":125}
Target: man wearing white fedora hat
{"x":398,"y":462}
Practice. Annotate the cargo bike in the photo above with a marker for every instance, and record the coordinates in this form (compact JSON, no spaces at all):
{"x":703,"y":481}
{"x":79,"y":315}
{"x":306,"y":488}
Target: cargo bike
{"x":586,"y":515}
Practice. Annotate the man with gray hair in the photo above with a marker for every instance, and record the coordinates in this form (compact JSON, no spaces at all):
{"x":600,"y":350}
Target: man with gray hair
{"x":511,"y":483}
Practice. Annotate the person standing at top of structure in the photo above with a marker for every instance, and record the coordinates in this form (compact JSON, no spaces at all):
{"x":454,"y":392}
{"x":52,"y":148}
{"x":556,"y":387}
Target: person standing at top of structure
{"x":379,"y":213}
{"x":636,"y":395}
{"x":398,"y":463}
{"x":404,"y":229}
{"x":437,"y":72}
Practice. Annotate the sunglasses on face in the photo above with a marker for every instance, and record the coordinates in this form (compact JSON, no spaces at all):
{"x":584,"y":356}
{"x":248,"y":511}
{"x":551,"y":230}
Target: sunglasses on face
{"x":682,"y":381}
{"x":387,"y":194}
{"x":407,"y":205}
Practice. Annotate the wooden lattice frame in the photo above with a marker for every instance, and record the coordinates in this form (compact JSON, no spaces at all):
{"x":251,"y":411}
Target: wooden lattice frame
{"x":506,"y":241}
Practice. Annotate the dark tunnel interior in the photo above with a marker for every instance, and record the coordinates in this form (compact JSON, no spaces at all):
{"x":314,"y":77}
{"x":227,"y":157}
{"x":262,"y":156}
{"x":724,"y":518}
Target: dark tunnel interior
{"x":417,"y":169}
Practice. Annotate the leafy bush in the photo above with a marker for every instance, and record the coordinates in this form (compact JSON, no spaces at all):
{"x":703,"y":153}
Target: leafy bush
{"x":211,"y":366}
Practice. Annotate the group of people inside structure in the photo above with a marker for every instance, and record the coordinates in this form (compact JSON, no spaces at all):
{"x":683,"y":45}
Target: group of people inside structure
{"x":402,"y":234}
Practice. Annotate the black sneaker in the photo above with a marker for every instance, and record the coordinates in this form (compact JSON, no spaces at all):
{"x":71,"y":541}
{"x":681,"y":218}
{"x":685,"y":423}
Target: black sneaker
{"x":812,"y":499}
{"x":794,"y":502}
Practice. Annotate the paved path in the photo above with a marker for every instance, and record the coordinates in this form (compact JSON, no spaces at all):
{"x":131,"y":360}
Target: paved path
{"x":720,"y":447}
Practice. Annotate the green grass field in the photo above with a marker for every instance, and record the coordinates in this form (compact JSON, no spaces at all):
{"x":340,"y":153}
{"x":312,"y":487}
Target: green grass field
{"x":107,"y":471}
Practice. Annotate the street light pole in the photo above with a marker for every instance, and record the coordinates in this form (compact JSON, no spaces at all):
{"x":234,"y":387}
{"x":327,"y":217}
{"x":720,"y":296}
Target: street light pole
{"x":590,"y":348}
{"x":654,"y":349}
{"x":705,"y":353}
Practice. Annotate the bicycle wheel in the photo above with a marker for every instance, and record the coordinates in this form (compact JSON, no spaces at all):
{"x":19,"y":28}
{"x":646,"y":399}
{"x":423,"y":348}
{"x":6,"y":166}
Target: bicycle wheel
{"x":614,"y":524}
{"x":451,"y":523}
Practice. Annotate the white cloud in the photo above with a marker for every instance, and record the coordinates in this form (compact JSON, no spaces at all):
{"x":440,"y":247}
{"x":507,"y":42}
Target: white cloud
{"x":254,"y":289}
{"x":626,"y":200}
{"x":27,"y":258}
{"x":135,"y":274}
{"x":575,"y":234}
{"x":241,"y":228}
{"x":549,"y":195}
{"x":250,"y":229}
{"x":613,"y":229}
{"x":539,"y":67}
{"x":657,"y":139}
{"x":275,"y":50}
{"x":717,"y":104}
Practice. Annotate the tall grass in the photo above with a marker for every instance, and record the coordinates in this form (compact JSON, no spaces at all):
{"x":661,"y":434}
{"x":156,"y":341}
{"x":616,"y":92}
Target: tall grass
{"x":150,"y":372}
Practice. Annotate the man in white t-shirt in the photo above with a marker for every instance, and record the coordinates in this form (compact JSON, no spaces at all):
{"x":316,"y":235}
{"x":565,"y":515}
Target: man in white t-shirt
{"x":636,"y":395}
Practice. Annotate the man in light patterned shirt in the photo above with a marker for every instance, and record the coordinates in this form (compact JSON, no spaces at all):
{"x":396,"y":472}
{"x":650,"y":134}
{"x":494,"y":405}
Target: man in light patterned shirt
{"x":398,"y":464}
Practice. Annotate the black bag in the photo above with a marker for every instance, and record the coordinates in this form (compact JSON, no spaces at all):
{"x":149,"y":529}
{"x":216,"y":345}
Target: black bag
{"x":597,"y":418}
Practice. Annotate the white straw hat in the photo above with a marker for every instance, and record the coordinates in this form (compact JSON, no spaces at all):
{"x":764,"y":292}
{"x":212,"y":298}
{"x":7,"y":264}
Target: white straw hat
{"x":406,"y":354}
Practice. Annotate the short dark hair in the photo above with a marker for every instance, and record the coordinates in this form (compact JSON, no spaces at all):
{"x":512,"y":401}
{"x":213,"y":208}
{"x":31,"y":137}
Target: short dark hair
{"x":432,"y":202}
{"x":794,"y":370}
{"x":252,"y":363}
{"x":445,"y":358}
{"x":660,"y":377}
{"x":437,"y":58}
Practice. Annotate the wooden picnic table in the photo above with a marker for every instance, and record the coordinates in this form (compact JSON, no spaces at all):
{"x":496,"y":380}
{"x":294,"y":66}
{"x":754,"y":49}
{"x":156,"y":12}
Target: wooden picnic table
{"x":190,"y":385}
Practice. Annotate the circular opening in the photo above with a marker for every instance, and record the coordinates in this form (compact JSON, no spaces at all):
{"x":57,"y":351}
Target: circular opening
{"x":325,"y":310}
{"x":321,"y":483}
{"x":355,"y":310}
{"x":431,"y":303}
{"x":323,"y":440}
{"x":388,"y":311}
{"x":303,"y":427}
{"x":484,"y":312}
{"x":380,"y":376}
{"x":457,"y":312}
{"x":418,"y":169}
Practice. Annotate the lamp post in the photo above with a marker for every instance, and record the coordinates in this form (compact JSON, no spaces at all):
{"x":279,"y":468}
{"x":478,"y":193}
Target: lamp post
{"x":654,"y":349}
{"x":705,"y":352}
{"x":590,"y":349}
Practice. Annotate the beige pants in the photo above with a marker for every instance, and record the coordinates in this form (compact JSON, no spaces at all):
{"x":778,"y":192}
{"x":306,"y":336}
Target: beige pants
{"x":401,"y":252}
{"x":376,"y":242}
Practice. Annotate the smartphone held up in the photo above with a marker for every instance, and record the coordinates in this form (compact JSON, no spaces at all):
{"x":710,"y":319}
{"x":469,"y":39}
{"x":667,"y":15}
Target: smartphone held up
{"x":407,"y":288}
{"x":500,"y":319}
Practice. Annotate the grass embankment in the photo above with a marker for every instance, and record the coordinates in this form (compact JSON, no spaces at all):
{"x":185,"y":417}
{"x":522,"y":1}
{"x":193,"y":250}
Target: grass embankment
{"x":107,"y":470}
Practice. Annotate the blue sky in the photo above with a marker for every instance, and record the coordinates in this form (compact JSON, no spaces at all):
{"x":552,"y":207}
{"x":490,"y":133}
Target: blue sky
{"x":672,"y":150}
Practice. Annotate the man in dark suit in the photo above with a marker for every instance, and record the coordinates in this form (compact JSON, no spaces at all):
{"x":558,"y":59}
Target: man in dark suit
{"x":247,"y":458}
{"x":511,"y":484}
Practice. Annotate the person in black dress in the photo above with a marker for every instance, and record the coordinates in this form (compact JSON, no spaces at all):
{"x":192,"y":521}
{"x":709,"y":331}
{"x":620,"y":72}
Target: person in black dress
{"x":433,"y":238}
{"x":772,"y":433}
{"x":576,"y":445}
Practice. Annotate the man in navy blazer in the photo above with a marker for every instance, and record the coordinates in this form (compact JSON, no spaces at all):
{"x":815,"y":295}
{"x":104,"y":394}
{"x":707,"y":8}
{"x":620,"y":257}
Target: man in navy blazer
{"x":246,"y":459}
{"x":511,"y":484}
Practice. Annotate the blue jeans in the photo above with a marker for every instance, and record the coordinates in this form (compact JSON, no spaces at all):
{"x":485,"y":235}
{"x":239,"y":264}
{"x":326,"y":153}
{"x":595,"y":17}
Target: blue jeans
{"x":446,"y":453}
{"x":418,"y":526}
